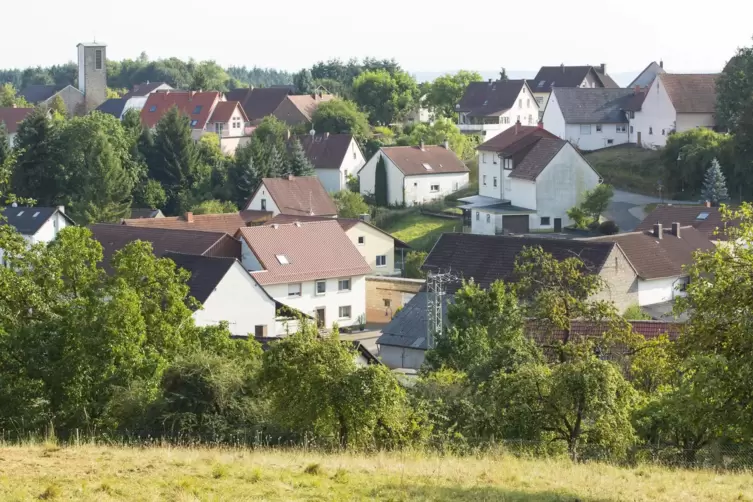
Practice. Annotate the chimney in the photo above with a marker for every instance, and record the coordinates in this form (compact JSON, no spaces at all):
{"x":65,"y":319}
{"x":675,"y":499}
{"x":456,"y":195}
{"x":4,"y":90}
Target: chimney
{"x":326,"y":135}
{"x":446,"y":144}
{"x":291,"y":177}
{"x":658,"y":230}
{"x":562,"y":67}
{"x":661,"y":64}
{"x":275,"y":226}
{"x":421,"y":146}
{"x":61,"y":209}
{"x":189,"y":217}
{"x":517,"y":126}
{"x":676,"y":229}
{"x":707,"y":203}
{"x":490,"y":81}
{"x":603,"y":68}
{"x":541,"y":124}
{"x":13,"y":105}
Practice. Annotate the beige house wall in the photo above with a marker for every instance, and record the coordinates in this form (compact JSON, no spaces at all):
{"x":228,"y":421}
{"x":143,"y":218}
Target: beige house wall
{"x":385,"y":295}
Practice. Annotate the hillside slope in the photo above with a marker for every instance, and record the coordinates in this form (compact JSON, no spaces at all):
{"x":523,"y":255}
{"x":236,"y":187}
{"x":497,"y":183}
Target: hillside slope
{"x":629,"y":168}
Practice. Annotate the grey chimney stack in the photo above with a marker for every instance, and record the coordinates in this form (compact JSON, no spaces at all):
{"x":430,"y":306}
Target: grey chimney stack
{"x":421,"y":146}
{"x":676,"y":229}
{"x":446,"y":144}
{"x":603,"y":68}
{"x":658,"y":232}
{"x":661,"y":64}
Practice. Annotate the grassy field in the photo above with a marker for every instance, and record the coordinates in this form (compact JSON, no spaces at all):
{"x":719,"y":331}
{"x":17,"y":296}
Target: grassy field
{"x":421,"y":231}
{"x":94,"y":473}
{"x":628,"y":167}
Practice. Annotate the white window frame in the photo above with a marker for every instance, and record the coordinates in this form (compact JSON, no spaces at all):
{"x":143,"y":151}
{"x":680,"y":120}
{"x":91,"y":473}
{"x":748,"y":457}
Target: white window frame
{"x":294,"y":294}
{"x":621,"y":128}
{"x":316,"y":288}
{"x":585,"y":129}
{"x":340,"y":288}
{"x":432,"y":188}
{"x":383,"y":260}
{"x":340,"y":312}
{"x":488,"y":218}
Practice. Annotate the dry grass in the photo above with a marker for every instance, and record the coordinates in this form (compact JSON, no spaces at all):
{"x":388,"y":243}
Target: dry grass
{"x":94,"y":473}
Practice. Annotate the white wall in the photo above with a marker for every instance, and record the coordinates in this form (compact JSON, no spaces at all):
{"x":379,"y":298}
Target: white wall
{"x":554,"y":121}
{"x":137,"y":103}
{"x":480,"y":224}
{"x":353,"y":161}
{"x":519,"y":192}
{"x":375,"y":243}
{"x":595,"y":139}
{"x":418,"y":188}
{"x":332,"y":300}
{"x":657,"y":114}
{"x":367,"y":178}
{"x":260,"y":194}
{"x":331,"y":179}
{"x":487,"y":167}
{"x":687,"y":121}
{"x":399,"y":357}
{"x":50,"y":229}
{"x":562,"y":185}
{"x":658,"y":290}
{"x":528,"y":112}
{"x":240,"y":301}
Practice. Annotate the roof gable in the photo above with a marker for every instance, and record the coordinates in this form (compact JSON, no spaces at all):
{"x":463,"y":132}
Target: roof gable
{"x":490,"y":98}
{"x":326,"y":151}
{"x":307,"y":104}
{"x":567,"y":76}
{"x":224,"y":110}
{"x":299,"y":195}
{"x":12,"y":117}
{"x":206,"y":272}
{"x":113,"y":106}
{"x":306,"y":251}
{"x":141,"y":90}
{"x":413,"y":160}
{"x":197,"y":106}
{"x":691,"y":93}
{"x":531,"y":149}
{"x":649,"y":73}
{"x":27,"y":220}
{"x":38,"y":93}
{"x":593,"y":106}
{"x":260,"y":102}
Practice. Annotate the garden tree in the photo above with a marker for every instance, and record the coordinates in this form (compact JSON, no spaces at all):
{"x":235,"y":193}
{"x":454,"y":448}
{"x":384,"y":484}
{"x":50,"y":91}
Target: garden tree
{"x":315,"y":386}
{"x":687,"y":156}
{"x":207,"y":76}
{"x":10,"y":98}
{"x":150,"y":194}
{"x":350,"y":204}
{"x":436,"y":134}
{"x":734,"y":89}
{"x":243,"y":176}
{"x":57,"y":106}
{"x":37,"y":170}
{"x":214,"y":207}
{"x":298,"y":162}
{"x":271,"y":132}
{"x":720,"y":295}
{"x":353,"y":183}
{"x":445,"y":92}
{"x":380,"y":183}
{"x":5,"y":149}
{"x":413,"y":262}
{"x":339,"y":116}
{"x":174,"y":160}
{"x":385,"y":97}
{"x":596,"y":201}
{"x":213,"y":169}
{"x":485,"y":333}
{"x":742,"y":151}
{"x":304,"y":82}
{"x":714,"y":184}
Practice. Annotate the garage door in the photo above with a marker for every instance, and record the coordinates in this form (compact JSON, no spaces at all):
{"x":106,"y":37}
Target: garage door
{"x":517,"y":224}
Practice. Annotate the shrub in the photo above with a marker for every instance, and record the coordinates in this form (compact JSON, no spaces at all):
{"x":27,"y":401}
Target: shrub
{"x":608,"y":228}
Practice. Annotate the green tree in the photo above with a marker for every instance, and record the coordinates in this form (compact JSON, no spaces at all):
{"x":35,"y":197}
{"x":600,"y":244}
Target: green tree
{"x":596,"y":201}
{"x":445,"y":92}
{"x":503,"y":75}
{"x":243,"y":176}
{"x":338,"y":116}
{"x":5,"y":149}
{"x":414,"y":260}
{"x":57,"y":106}
{"x":380,"y":183}
{"x":214,"y":207}
{"x":350,"y":204}
{"x":687,"y":156}
{"x":304,"y":82}
{"x":37,"y":171}
{"x":714,"y":184}
{"x":150,"y":194}
{"x":10,"y":98}
{"x":174,"y":161}
{"x":734,"y":88}
{"x":440,"y":131}
{"x":385,"y":97}
{"x":298,"y":163}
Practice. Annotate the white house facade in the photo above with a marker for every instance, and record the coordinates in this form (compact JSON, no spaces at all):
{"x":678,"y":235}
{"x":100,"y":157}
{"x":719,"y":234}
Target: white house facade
{"x":335,"y":157}
{"x":295,"y":196}
{"x":36,"y":224}
{"x":490,"y":108}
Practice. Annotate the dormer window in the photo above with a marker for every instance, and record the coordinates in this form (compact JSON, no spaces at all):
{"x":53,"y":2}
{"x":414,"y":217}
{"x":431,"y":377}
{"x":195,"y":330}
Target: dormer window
{"x":427,"y":167}
{"x":153,"y":108}
{"x":35,"y":214}
{"x":20,"y":213}
{"x":197,"y":110}
{"x":702,"y":216}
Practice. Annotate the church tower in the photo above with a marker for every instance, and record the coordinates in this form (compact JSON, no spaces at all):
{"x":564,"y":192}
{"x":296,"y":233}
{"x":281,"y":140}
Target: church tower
{"x":92,"y":73}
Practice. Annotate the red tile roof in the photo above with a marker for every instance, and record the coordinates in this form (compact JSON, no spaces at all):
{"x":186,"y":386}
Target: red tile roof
{"x":13,"y":116}
{"x":541,"y":331}
{"x":691,"y":93}
{"x":228,"y":222}
{"x":412,"y":161}
{"x":531,"y":149}
{"x":705,"y":219}
{"x":345,"y":223}
{"x":299,"y":196}
{"x":197,"y":106}
{"x":224,"y":111}
{"x":316,"y":250}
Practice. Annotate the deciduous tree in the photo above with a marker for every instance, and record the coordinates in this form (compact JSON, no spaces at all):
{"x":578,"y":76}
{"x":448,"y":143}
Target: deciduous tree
{"x":385,"y":97}
{"x":350,"y":204}
{"x":338,"y":116}
{"x":445,"y":92}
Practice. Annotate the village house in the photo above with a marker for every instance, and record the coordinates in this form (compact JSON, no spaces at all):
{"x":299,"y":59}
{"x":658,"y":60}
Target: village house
{"x":414,"y":174}
{"x":672,"y":103}
{"x":134,"y":99}
{"x":12,"y":117}
{"x":589,"y":118}
{"x":294,"y":196}
{"x":279,"y":102}
{"x":145,"y":212}
{"x":228,"y":223}
{"x":528,"y":179}
{"x":647,"y":76}
{"x":707,"y":220}
{"x":489,"y":108}
{"x":208,"y":113}
{"x":334,"y":157}
{"x":586,"y":76}
{"x":35,"y":224}
{"x":311,"y":267}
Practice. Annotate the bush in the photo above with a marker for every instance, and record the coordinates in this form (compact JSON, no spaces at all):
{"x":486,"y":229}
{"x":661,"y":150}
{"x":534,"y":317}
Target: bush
{"x":608,"y":228}
{"x":413,"y":262}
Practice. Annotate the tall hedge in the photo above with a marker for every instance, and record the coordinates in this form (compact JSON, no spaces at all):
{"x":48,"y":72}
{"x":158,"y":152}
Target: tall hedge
{"x":380,"y":183}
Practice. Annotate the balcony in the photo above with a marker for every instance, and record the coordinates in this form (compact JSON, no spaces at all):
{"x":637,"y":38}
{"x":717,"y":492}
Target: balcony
{"x":480,"y":127}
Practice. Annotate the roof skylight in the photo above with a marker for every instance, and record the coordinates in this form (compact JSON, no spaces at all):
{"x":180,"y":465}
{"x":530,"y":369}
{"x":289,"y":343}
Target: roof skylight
{"x":428,"y":167}
{"x":702,"y":216}
{"x":282,"y":259}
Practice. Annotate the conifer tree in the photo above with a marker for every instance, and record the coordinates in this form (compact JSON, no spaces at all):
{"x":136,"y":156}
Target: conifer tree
{"x":37,"y":172}
{"x":299,"y":164}
{"x":714,"y":184}
{"x":4,"y":143}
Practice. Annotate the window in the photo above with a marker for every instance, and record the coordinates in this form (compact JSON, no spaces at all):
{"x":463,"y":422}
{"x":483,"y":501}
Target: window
{"x":495,"y":182}
{"x":153,"y":108}
{"x":260,"y":331}
{"x":494,"y":157}
{"x":263,"y":204}
{"x":545,"y":221}
{"x":478,"y":216}
{"x":621,"y":128}
{"x":20,"y":213}
{"x":585,"y":129}
{"x":434,"y":188}
{"x":517,"y":119}
{"x":282,"y":259}
{"x":610,"y":141}
{"x":361,"y":240}
{"x":344,"y":312}
{"x":530,"y":120}
{"x":387,"y":302}
{"x":651,"y":130}
{"x":98,"y":59}
{"x":598,"y":127}
{"x":541,"y":83}
{"x":381,"y":260}
{"x":520,"y":103}
{"x":631,"y":115}
{"x":631,"y":129}
{"x":294,"y":289}
{"x":343,"y":285}
{"x":35,"y":214}
{"x":194,"y":122}
{"x":354,"y":154}
{"x":662,"y":132}
{"x":702,"y":216}
{"x":427,"y":166}
{"x":456,"y":186}
{"x":196,"y":110}
{"x":528,"y":103}
{"x":483,"y":157}
{"x":508,"y":164}
{"x":488,"y":218}
{"x":321,"y":287}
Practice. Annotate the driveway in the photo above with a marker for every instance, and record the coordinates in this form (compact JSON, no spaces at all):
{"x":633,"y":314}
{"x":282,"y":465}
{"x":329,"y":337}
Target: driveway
{"x":626,"y":208}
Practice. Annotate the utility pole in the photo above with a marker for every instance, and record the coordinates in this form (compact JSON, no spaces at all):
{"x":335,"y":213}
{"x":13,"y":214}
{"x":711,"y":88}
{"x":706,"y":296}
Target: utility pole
{"x":436,"y":284}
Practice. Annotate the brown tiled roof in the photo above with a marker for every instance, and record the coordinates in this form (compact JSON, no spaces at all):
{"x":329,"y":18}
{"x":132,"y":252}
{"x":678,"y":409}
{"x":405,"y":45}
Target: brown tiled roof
{"x":13,"y":116}
{"x":691,"y":93}
{"x":307,"y":103}
{"x":300,"y":196}
{"x":531,"y":149}
{"x":488,"y":258}
{"x":115,"y":237}
{"x":316,"y":250}
{"x":507,"y":141}
{"x":535,"y":160}
{"x":224,"y":111}
{"x":687,"y":215}
{"x":326,"y":151}
{"x":258,"y":103}
{"x":345,"y":223}
{"x":411,"y":159}
{"x":228,"y":223}
{"x":655,"y":258}
{"x":187,"y":103}
{"x":483,"y":99}
{"x":541,"y":332}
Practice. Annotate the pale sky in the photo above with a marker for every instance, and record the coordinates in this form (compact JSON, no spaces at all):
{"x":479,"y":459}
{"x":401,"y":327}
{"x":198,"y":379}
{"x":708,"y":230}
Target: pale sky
{"x":423,"y":36}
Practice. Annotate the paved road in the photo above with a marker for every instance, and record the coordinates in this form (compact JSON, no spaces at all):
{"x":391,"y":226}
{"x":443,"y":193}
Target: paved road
{"x":626,"y":208}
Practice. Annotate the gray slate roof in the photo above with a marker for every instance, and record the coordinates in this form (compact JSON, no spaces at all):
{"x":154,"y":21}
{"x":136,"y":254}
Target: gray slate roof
{"x":206,"y":272}
{"x":593,"y":106}
{"x":113,"y":106}
{"x":28,"y":220}
{"x":408,"y":327}
{"x":37,"y":93}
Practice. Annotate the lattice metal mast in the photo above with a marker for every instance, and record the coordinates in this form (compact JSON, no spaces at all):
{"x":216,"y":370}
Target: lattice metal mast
{"x":436,"y":284}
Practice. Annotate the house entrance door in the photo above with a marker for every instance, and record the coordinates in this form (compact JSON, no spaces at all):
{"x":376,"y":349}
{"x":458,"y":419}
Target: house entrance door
{"x":558,"y":224}
{"x":320,"y":321}
{"x":638,"y":140}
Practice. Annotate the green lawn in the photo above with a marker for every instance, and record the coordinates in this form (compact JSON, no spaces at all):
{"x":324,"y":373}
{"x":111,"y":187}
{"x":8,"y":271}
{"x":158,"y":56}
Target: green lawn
{"x":628,"y":167}
{"x":421,"y":231}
